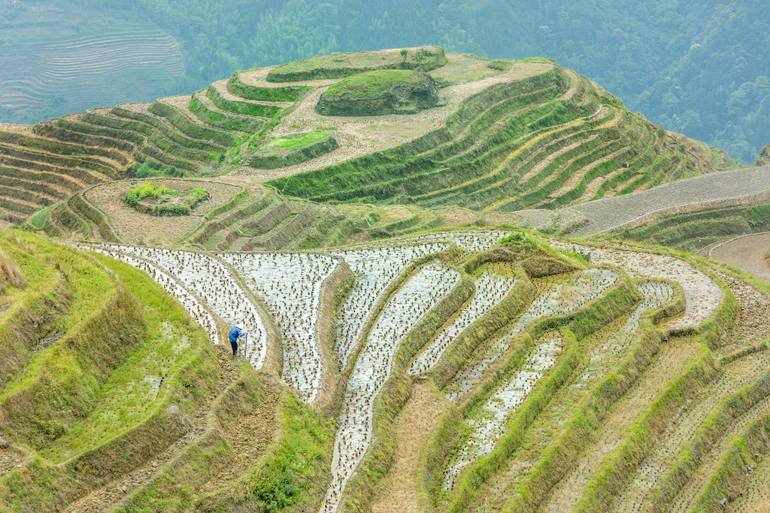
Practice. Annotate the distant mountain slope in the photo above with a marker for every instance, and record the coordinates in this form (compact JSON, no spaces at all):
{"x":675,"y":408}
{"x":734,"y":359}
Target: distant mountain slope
{"x":56,"y":59}
{"x":505,"y":135}
{"x":695,"y":68}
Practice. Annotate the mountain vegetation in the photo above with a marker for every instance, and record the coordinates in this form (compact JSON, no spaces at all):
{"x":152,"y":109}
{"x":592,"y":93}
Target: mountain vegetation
{"x":493,"y":135}
{"x":691,"y":68}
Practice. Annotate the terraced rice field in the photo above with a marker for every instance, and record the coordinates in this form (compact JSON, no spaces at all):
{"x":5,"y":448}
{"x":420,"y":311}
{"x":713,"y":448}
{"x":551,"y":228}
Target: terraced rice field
{"x":518,"y":361}
{"x":699,"y":194}
{"x":388,"y":360}
{"x":68,"y":67}
{"x":291,"y":286}
{"x":421,"y":293}
{"x":490,"y":290}
{"x":203,"y":275}
{"x":545,"y":140}
{"x":558,"y":300}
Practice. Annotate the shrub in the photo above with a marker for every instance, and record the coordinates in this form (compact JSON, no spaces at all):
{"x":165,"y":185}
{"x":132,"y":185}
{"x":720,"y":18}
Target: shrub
{"x":380,"y":92}
{"x":168,"y":201}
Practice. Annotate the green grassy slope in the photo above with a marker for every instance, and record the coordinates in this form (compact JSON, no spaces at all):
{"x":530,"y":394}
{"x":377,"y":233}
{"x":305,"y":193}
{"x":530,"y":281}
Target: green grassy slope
{"x":102,"y":372}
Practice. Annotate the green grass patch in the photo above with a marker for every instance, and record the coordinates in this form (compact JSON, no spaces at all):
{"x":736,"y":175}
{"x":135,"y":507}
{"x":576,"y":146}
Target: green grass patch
{"x":160,"y":200}
{"x":150,"y":377}
{"x":241,"y":108}
{"x":292,"y":149}
{"x":223,"y":121}
{"x":380,"y":92}
{"x":296,"y":142}
{"x":129,"y":371}
{"x":40,"y":218}
{"x":293,"y":476}
{"x":273,"y":94}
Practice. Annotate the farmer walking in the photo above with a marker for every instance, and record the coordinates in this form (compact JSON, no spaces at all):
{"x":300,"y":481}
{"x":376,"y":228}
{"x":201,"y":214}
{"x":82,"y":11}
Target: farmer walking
{"x":235,"y":334}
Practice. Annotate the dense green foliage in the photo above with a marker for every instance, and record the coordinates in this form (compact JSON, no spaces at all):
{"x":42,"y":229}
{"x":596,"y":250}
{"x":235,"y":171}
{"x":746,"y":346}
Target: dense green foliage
{"x":159,"y":200}
{"x":380,"y":92}
{"x":692,"y":67}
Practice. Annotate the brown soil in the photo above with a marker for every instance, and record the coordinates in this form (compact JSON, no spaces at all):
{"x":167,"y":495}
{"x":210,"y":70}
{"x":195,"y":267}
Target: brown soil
{"x":594,"y":185}
{"x":554,"y":175}
{"x":534,"y":139}
{"x":752,"y":322}
{"x":748,"y":252}
{"x":415,"y":424}
{"x":133,"y":227}
{"x":182,"y":105}
{"x":143,"y":108}
{"x":249,"y":436}
{"x":453,"y":215}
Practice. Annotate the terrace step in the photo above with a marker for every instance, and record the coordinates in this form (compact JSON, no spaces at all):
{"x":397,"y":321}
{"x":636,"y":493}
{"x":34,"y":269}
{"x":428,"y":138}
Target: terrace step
{"x":213,"y":116}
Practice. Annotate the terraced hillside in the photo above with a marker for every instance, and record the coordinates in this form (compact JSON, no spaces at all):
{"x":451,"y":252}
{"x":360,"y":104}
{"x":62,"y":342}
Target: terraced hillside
{"x":406,"y":343}
{"x":541,"y":376}
{"x":57,"y":59}
{"x":495,"y":136}
{"x":238,"y":217}
{"x":543,"y":141}
{"x":697,"y":230}
{"x":104,"y":379}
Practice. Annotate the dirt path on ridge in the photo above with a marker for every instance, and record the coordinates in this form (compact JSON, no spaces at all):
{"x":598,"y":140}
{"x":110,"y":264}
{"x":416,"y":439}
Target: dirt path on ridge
{"x":417,"y":422}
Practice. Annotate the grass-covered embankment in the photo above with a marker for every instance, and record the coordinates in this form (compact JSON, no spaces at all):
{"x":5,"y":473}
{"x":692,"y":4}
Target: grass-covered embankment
{"x":123,"y":371}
